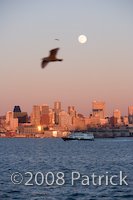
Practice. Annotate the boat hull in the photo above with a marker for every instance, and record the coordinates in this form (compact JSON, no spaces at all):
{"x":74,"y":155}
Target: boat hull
{"x":66,"y":138}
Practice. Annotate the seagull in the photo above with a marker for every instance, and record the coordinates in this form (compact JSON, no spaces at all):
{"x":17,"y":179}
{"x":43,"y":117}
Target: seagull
{"x":50,"y":58}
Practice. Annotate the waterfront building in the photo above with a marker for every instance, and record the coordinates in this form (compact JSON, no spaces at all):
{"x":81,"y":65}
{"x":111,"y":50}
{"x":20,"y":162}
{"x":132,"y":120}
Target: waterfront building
{"x":11,"y":122}
{"x":130,"y":114}
{"x":44,"y":118}
{"x":57,"y":110}
{"x":2,"y":123}
{"x":117,"y":113}
{"x":87,"y":121}
{"x":125,"y":120}
{"x":72,"y":113}
{"x":117,"y":117}
{"x":79,"y":123}
{"x":35,"y":115}
{"x":14,"y":124}
{"x":44,"y":109}
{"x":9,"y":116}
{"x":65,"y":120}
{"x":21,"y":116}
{"x":98,"y":109}
{"x":57,"y":105}
{"x":95,"y":121}
{"x":17,"y":109}
{"x":51,"y":117}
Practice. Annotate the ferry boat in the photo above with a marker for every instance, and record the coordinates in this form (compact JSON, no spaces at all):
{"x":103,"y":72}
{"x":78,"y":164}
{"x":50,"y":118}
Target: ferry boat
{"x":79,"y":136}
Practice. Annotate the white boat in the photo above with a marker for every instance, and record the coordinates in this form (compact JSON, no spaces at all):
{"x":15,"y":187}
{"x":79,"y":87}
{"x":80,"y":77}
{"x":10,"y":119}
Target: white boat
{"x":79,"y":136}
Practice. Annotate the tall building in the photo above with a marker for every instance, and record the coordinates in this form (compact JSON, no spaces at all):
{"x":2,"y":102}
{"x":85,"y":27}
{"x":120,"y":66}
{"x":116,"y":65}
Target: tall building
{"x":44,"y":109}
{"x":98,"y":109}
{"x":130,"y":114}
{"x":57,"y":110}
{"x":57,"y":105}
{"x":36,"y":115}
{"x":16,"y":109}
{"x":44,"y":120}
{"x":51,"y":117}
{"x":64,"y":120}
{"x":117,"y":113}
{"x":9,"y":116}
{"x":72,"y":113}
{"x":21,"y":116}
{"x":11,"y":122}
{"x":117,"y":117}
{"x":79,"y":122}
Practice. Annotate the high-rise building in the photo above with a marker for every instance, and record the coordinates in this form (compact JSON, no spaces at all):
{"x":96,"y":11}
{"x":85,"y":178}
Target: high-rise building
{"x":36,"y":115}
{"x":51,"y":117}
{"x":130,"y":114}
{"x":57,"y":105}
{"x":16,"y":109}
{"x":98,"y":109}
{"x":9,"y":116}
{"x":72,"y":111}
{"x":11,"y":122}
{"x":44,"y":115}
{"x":21,"y":116}
{"x":64,"y":120}
{"x":117,"y":117}
{"x":44,"y":109}
{"x":117,"y":113}
{"x":57,"y":110}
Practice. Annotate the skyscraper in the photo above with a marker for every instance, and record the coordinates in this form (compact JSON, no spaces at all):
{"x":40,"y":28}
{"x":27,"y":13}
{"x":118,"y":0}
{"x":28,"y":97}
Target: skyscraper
{"x":117,"y":117}
{"x":57,"y":106}
{"x":72,"y":111}
{"x":44,"y":115}
{"x":9,"y":116}
{"x":16,"y":109}
{"x":98,"y":109}
{"x":35,"y":116}
{"x":44,"y":109}
{"x":57,"y":110}
{"x":21,"y":116}
{"x":64,"y":120}
{"x":117,"y":114}
{"x":130,"y":114}
{"x":11,"y":122}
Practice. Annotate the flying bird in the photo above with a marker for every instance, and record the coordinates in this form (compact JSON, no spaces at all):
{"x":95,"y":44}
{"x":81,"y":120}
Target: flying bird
{"x":50,"y":58}
{"x":56,"y":39}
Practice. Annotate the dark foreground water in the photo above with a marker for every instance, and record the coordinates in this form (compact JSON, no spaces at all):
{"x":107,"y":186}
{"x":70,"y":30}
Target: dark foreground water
{"x":40,"y":162}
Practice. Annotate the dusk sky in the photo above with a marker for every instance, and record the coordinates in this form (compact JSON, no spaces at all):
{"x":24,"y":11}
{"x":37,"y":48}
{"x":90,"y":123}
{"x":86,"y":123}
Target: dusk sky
{"x":101,"y":69}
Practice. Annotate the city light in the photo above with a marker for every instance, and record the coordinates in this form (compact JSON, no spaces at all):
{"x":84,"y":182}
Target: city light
{"x":39,"y":128}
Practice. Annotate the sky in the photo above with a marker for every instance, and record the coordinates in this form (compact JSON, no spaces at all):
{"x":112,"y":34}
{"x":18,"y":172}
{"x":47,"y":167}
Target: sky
{"x":101,"y":69}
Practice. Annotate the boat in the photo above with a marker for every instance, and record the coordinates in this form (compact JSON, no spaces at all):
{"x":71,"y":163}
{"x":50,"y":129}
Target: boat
{"x":79,"y":136}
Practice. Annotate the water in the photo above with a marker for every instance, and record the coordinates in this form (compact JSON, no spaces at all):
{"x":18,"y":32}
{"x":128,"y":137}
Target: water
{"x":100,"y":157}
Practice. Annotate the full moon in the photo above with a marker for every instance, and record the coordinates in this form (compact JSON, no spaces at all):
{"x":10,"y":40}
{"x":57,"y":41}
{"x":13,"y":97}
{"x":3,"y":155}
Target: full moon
{"x":82,"y":39}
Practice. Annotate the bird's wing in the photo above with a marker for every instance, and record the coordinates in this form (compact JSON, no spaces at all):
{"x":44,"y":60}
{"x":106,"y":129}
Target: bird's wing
{"x":53,"y":53}
{"x":44,"y":63}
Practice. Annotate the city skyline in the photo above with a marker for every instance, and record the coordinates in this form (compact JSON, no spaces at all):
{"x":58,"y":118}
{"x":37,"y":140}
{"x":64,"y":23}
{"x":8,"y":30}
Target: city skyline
{"x":44,"y":118}
{"x":101,"y":69}
{"x":94,"y":106}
